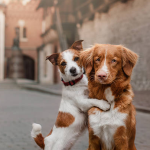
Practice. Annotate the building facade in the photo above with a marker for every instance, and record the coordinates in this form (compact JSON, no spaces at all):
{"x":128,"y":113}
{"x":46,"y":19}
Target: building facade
{"x":59,"y":28}
{"x":47,"y":72}
{"x":24,"y":16}
{"x":2,"y":39}
{"x":118,"y":22}
{"x":126,"y":24}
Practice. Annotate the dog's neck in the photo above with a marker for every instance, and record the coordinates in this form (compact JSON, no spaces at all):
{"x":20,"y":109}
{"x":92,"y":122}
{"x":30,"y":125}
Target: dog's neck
{"x":72,"y":82}
{"x":121,"y":93}
{"x":118,"y":87}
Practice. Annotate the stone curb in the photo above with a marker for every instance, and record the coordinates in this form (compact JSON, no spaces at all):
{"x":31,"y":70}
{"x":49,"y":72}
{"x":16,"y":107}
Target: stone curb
{"x":58,"y":93}
{"x":40,"y":89}
{"x":142,"y":109}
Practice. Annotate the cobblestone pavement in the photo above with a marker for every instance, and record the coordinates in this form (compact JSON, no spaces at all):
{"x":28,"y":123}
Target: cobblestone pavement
{"x":20,"y":108}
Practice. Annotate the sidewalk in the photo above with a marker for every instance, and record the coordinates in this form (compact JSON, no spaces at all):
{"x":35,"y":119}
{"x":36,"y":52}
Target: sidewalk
{"x":141,"y":99}
{"x":20,"y":108}
{"x":48,"y":89}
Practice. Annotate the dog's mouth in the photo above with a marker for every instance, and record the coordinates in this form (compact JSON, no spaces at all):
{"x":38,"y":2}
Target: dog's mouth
{"x":103,"y":82}
{"x":106,"y":81}
{"x":74,"y":74}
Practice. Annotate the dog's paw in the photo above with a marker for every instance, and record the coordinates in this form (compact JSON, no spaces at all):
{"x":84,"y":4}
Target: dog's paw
{"x":105,"y":105}
{"x":36,"y":130}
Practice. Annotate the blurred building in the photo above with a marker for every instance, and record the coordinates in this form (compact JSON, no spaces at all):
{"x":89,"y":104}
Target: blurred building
{"x":47,"y":72}
{"x":2,"y":39}
{"x":123,"y":22}
{"x":22,"y":14}
{"x":59,"y":32}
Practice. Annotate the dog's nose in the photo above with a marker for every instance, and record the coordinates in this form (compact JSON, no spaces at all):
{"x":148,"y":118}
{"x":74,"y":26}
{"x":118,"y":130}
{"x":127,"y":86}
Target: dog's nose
{"x":102,"y":75}
{"x":73,"y":70}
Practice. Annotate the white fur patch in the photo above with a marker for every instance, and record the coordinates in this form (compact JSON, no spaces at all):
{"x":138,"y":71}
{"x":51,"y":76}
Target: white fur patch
{"x":36,"y":130}
{"x":105,"y":68}
{"x":108,"y":94}
{"x":105,"y":124}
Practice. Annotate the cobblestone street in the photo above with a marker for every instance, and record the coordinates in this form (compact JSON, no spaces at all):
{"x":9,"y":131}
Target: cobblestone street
{"x":20,"y":108}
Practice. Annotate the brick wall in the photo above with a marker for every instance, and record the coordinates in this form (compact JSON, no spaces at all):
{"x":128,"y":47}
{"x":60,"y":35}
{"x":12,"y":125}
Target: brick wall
{"x":16,"y":11}
{"x":127,"y":24}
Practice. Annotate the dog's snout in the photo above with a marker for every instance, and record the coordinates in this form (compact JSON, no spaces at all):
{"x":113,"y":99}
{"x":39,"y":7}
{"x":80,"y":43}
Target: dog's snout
{"x":73,"y":70}
{"x":102,"y":75}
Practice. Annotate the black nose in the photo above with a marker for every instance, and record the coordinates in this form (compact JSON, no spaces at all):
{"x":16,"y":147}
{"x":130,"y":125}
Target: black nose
{"x":73,"y":70}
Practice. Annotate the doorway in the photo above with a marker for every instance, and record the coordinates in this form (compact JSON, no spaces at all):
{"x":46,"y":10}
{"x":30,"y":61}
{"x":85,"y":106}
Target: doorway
{"x":29,"y":66}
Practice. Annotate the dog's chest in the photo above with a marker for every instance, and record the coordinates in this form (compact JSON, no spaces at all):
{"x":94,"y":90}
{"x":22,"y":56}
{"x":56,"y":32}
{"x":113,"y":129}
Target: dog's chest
{"x":74,"y":93}
{"x":105,"y":124}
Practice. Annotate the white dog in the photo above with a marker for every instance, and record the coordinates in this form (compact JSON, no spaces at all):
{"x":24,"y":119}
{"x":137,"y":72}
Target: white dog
{"x":72,"y":116}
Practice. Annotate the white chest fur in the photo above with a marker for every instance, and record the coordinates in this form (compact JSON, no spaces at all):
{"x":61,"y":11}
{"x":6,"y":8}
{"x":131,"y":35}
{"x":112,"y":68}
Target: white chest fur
{"x":105,"y":124}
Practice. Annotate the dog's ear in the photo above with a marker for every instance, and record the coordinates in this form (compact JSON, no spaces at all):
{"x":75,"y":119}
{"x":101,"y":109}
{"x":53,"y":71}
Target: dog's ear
{"x":77,"y":45}
{"x":86,"y":58}
{"x":129,"y":59}
{"x":53,"y":58}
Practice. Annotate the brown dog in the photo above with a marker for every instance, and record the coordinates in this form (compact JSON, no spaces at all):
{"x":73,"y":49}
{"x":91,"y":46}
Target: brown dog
{"x":109,"y":69}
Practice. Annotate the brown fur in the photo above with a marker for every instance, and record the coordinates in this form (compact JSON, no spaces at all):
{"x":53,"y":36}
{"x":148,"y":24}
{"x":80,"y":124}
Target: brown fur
{"x":40,"y":141}
{"x":119,"y":81}
{"x":64,"y":120}
{"x":77,"y":45}
{"x":77,"y":54}
{"x":95,"y":144}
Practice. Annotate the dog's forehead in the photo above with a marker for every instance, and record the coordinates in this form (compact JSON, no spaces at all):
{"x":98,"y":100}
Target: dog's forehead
{"x":100,"y":50}
{"x":104,"y":49}
{"x":69,"y":54}
{"x":113,"y":50}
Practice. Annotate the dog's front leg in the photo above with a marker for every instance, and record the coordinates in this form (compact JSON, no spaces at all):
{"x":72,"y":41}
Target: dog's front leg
{"x":94,"y":141}
{"x":49,"y":142}
{"x":86,"y":104}
{"x":120,"y":139}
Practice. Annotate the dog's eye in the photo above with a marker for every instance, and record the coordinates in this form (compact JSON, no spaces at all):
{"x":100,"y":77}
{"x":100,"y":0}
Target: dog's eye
{"x":76,"y":58}
{"x":98,"y":59}
{"x":113,"y":61}
{"x":63,"y":63}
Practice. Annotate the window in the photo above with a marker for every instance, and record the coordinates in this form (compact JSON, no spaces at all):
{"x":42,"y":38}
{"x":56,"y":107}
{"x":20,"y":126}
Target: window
{"x":22,"y":31}
{"x":23,"y":34}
